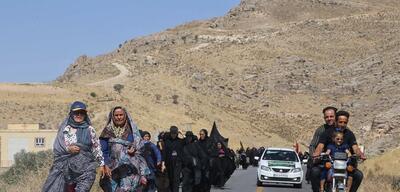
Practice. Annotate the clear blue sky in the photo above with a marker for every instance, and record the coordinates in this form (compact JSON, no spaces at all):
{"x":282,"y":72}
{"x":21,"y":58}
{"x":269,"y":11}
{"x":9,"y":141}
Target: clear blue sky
{"x":40,"y":39}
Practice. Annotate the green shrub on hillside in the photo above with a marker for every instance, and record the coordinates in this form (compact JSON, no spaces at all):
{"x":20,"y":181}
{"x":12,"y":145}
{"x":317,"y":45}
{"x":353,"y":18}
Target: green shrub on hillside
{"x":93,"y":94}
{"x":26,"y":162}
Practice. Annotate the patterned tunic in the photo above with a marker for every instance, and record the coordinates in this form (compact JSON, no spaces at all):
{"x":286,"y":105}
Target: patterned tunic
{"x":121,"y":159}
{"x":71,"y":138}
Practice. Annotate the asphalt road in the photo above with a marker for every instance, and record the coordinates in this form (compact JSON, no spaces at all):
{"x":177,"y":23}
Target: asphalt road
{"x":245,"y":181}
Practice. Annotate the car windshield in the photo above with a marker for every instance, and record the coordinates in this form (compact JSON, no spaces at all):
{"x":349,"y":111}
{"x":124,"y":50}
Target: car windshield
{"x":280,"y":155}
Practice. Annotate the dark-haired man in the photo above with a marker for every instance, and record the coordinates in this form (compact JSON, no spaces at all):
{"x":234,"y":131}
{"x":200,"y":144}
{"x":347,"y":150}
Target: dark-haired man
{"x":329,"y":115}
{"x":342,"y":118}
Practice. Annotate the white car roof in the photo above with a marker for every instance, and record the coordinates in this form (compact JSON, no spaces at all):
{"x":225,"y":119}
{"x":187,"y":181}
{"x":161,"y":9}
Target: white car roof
{"x":280,"y":149}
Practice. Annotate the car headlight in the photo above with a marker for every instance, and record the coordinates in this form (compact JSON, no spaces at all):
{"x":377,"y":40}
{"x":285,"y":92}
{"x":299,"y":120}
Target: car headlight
{"x":296,"y":170}
{"x":265,"y":168}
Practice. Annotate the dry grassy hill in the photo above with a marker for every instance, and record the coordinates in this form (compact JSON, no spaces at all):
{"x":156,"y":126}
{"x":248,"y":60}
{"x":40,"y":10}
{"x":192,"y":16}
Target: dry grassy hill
{"x":266,"y":67}
{"x":382,"y":172}
{"x":263,"y":71}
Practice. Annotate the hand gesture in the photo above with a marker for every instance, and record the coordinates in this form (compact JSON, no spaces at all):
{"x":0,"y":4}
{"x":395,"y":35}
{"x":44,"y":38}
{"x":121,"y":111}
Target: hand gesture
{"x":143,"y":180}
{"x":73,"y":149}
{"x":131,"y":151}
{"x":163,"y":167}
{"x":363,"y":157}
{"x":105,"y":171}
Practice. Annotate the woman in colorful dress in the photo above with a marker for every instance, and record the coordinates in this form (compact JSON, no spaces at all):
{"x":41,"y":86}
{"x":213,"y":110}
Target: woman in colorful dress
{"x":77,"y":154}
{"x":125,"y":168}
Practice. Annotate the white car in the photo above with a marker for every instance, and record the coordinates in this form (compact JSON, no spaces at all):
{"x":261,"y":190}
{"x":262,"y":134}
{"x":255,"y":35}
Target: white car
{"x":280,"y":166}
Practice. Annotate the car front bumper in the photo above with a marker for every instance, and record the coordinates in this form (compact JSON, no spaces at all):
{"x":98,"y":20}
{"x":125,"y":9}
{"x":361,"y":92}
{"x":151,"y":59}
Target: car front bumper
{"x":284,"y":178}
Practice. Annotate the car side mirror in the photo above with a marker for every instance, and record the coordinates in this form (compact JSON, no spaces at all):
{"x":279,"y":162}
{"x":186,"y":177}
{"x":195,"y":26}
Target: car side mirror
{"x":257,"y":158}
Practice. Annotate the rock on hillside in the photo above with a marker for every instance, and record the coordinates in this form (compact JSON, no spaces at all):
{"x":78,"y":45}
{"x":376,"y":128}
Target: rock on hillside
{"x":270,"y":64}
{"x":255,"y":14}
{"x":385,"y":130}
{"x":83,"y":69}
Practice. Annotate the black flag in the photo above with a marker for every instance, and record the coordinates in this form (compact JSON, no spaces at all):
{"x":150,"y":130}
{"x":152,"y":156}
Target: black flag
{"x":241,"y":146}
{"x":215,"y":136}
{"x":228,"y":161}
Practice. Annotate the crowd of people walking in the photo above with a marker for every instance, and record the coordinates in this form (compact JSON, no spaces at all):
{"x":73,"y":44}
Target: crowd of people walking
{"x":129,"y":161}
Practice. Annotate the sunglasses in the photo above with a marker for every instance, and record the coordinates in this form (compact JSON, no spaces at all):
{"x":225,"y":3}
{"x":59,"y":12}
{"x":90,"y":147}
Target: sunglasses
{"x":338,"y":139}
{"x":76,"y":113}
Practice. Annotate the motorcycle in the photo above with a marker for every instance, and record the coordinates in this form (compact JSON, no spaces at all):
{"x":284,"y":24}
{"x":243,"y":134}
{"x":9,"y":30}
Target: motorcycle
{"x":341,"y":166}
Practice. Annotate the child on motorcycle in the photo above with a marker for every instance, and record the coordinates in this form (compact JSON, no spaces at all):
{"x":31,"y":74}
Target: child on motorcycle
{"x":332,"y":148}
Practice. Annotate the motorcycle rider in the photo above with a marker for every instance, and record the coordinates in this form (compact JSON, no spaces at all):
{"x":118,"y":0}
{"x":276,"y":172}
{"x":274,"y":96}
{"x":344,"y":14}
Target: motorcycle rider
{"x":342,"y":118}
{"x":329,"y":114}
{"x":332,"y":148}
{"x":329,"y":117}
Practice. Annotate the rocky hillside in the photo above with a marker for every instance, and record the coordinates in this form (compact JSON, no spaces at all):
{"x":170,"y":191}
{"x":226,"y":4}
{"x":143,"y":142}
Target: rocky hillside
{"x":263,"y":71}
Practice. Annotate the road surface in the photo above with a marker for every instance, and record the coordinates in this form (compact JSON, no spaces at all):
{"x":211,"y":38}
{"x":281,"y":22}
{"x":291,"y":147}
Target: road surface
{"x":245,"y":181}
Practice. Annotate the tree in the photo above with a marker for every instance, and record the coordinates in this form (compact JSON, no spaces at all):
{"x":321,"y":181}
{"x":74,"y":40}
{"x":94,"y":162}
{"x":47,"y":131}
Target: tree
{"x":118,"y":88}
{"x":93,"y":94}
{"x":175,"y":99}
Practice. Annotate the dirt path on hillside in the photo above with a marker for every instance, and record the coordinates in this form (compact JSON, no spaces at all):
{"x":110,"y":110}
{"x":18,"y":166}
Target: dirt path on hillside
{"x":124,"y":72}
